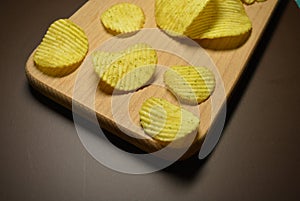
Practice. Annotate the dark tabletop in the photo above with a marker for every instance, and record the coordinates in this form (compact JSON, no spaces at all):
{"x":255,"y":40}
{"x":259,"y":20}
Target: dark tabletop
{"x":257,"y":158}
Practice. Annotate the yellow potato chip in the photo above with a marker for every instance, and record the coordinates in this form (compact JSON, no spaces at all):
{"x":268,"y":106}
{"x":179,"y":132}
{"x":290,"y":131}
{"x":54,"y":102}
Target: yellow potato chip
{"x":175,"y":16}
{"x":165,"y":122}
{"x":127,"y":70}
{"x":202,"y":19}
{"x":103,"y":60}
{"x":190,"y":83}
{"x":224,"y":18}
{"x":62,"y":49}
{"x":123,"y":18}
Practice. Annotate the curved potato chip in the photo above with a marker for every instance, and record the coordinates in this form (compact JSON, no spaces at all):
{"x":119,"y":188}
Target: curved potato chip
{"x":103,"y":60}
{"x":175,"y":16}
{"x":190,"y":84}
{"x":202,"y":19}
{"x":123,"y":18}
{"x":224,"y":18}
{"x":62,"y":49}
{"x":127,"y":70}
{"x":166,"y":122}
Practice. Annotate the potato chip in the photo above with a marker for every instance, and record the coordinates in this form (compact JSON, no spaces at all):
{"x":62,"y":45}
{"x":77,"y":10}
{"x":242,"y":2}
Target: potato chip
{"x":123,"y":18}
{"x":175,"y":16}
{"x":62,"y":49}
{"x":165,"y":122}
{"x":127,"y":70}
{"x":190,"y":84}
{"x":102,"y":61}
{"x":202,"y":19}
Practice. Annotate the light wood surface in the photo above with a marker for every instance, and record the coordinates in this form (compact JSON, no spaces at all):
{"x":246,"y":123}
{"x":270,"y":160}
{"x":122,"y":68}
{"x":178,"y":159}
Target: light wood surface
{"x":118,"y":113}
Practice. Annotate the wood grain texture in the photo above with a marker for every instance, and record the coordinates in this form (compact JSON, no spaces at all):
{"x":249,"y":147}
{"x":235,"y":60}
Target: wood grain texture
{"x":110,"y":110}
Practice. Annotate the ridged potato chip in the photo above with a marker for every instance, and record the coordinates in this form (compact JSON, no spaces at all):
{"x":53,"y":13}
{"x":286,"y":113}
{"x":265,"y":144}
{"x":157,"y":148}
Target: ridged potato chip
{"x":123,"y":18}
{"x":103,"y":60}
{"x":165,"y":122}
{"x":62,"y":49}
{"x":224,"y":18}
{"x":202,"y":19}
{"x":191,"y":84}
{"x":175,"y":16}
{"x":127,"y":70}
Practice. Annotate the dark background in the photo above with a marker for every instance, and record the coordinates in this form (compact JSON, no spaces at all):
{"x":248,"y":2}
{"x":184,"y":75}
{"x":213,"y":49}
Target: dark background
{"x":257,"y":158}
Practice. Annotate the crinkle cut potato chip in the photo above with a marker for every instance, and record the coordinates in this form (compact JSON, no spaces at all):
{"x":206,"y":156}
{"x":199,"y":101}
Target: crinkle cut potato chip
{"x":223,"y":17}
{"x":190,"y":84}
{"x":175,"y":16}
{"x":165,"y":122}
{"x":123,"y":18}
{"x":127,"y":70}
{"x":203,"y":19}
{"x":62,"y":49}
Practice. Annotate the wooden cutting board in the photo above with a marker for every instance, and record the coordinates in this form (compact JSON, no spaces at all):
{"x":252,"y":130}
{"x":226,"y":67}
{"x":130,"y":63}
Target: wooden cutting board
{"x":118,"y":113}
